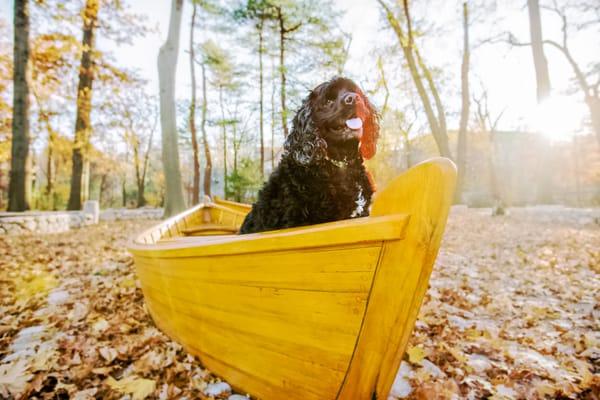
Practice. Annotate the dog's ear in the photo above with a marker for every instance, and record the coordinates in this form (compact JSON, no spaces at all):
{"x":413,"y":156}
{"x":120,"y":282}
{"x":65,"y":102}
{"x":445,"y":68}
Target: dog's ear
{"x":303,"y":143}
{"x":370,"y":117}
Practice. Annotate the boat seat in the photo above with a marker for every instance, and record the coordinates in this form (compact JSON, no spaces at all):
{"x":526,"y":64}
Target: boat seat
{"x":208,"y":229}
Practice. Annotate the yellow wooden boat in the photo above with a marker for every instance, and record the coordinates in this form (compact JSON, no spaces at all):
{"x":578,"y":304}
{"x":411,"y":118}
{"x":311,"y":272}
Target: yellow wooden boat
{"x":317,"y":312}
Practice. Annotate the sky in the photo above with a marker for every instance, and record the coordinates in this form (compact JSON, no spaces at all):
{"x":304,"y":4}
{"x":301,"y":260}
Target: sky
{"x":508,"y":73}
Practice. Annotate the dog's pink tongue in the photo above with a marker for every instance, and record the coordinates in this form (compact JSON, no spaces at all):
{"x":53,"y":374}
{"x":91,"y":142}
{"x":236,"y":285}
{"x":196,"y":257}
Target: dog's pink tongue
{"x":354,"y":123}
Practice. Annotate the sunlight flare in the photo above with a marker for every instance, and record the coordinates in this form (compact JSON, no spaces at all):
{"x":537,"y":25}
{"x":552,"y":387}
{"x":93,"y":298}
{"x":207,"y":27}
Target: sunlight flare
{"x":557,"y":118}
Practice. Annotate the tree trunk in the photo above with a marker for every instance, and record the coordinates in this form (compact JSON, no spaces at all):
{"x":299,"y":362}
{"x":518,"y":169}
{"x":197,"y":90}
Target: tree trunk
{"x":30,"y":178}
{"x":135,"y":148}
{"x":590,"y":93}
{"x":407,"y":148}
{"x":498,"y":206}
{"x":138,"y":171}
{"x":50,"y":166}
{"x":441,"y":135}
{"x":196,"y":178}
{"x":385,"y":87}
{"x":441,"y":113}
{"x":124,"y":190}
{"x":542,"y":76}
{"x":139,"y":175}
{"x":102,"y":188}
{"x":208,"y":167}
{"x":141,"y":199}
{"x":461,"y":148}
{"x":167,"y":63}
{"x":282,"y":71}
{"x":84,"y":104}
{"x":273,"y":88}
{"x":260,"y":80}
{"x":141,"y":183}
{"x":593,"y":104}
{"x":85,"y":180}
{"x":235,"y":149}
{"x":407,"y":45}
{"x":577,"y":171}
{"x":237,"y":195}
{"x":224,"y":142}
{"x":17,"y":199}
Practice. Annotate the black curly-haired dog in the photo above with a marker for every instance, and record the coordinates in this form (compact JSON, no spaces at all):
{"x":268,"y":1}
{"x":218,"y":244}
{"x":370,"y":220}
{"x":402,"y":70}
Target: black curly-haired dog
{"x":321,"y":176}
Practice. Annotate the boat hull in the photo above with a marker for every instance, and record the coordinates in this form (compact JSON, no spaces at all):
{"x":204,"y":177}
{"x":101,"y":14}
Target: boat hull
{"x":318,"y":312}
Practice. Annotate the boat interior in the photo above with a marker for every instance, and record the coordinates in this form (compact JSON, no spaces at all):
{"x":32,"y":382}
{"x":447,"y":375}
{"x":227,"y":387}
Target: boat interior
{"x":218,"y":222}
{"x":214,"y":219}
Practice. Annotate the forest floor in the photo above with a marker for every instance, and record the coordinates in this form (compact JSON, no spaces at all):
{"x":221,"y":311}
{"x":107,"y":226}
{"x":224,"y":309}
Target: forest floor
{"x":512,"y":313}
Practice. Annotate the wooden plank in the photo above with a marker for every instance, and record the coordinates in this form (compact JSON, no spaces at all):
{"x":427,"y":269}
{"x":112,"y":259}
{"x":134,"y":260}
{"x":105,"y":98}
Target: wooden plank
{"x":348,"y":269}
{"x":359,"y":230}
{"x":425,"y":192}
{"x":250,"y":356}
{"x":241,"y":207}
{"x":208,"y":229}
{"x":249,"y":382}
{"x":241,"y":380}
{"x":338,"y":313}
{"x":314,"y":308}
{"x":154,"y":234}
{"x":308,"y":350}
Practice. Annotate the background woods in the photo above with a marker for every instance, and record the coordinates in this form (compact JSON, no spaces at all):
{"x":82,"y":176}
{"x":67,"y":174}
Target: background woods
{"x":91,"y":109}
{"x":146,"y":106}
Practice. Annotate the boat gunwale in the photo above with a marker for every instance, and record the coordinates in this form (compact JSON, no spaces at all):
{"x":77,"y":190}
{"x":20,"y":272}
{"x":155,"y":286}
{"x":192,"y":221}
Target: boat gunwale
{"x":166,"y":225}
{"x":360,"y":231}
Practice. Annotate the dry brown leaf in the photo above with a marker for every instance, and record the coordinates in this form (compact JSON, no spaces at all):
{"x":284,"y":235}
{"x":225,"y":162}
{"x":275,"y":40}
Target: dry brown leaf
{"x":138,"y":388}
{"x":14,"y":378}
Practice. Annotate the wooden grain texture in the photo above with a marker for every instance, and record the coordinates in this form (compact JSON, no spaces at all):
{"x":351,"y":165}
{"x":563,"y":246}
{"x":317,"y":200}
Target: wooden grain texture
{"x":356,"y":231}
{"x":208,"y":229}
{"x":425,"y":193}
{"x":266,"y":312}
{"x":318,"y":312}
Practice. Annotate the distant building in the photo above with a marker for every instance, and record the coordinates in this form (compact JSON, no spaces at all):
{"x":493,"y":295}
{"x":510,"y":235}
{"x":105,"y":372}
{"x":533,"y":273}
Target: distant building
{"x":527,"y":168}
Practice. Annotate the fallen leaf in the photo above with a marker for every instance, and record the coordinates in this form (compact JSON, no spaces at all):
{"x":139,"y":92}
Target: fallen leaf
{"x":14,"y":378}
{"x":100,"y":326}
{"x":415,"y":354}
{"x":139,"y":388}
{"x":108,"y":353}
{"x":216,"y":389}
{"x":86,"y":394}
{"x":79,"y":311}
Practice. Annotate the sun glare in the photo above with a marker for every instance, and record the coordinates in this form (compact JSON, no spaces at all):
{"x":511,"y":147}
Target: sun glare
{"x":557,"y":118}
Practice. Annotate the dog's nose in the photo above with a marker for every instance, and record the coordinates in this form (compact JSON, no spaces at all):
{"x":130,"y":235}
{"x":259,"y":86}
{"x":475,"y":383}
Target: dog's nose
{"x":350,"y":98}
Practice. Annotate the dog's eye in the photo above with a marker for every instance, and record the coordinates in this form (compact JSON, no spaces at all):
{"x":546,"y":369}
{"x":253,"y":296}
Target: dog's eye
{"x":329,"y":102}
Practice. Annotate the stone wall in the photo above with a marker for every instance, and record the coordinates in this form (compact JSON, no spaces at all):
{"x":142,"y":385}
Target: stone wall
{"x":62,"y":221}
{"x":43,"y":222}
{"x":119,"y":214}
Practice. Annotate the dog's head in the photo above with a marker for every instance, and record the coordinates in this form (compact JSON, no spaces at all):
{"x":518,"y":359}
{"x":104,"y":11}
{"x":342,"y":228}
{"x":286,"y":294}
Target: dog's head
{"x":335,"y":115}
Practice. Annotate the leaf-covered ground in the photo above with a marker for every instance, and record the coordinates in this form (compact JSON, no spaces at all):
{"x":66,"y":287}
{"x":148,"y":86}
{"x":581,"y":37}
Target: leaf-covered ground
{"x":512,"y":312}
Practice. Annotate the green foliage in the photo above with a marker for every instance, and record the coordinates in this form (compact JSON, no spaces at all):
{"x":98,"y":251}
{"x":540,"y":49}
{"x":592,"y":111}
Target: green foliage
{"x":255,"y":10}
{"x":219,"y":62}
{"x":243,"y":183}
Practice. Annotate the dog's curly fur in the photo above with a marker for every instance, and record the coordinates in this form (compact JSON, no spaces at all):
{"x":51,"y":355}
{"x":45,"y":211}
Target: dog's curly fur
{"x":321,"y":176}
